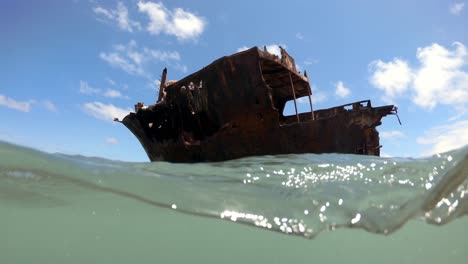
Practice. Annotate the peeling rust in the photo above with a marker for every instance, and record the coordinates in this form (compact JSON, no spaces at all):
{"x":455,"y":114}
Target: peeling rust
{"x":233,"y":108}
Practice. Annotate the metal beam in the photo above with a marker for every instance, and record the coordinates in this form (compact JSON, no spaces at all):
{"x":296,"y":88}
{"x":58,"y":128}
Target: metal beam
{"x":310,"y":96}
{"x":294,"y":94}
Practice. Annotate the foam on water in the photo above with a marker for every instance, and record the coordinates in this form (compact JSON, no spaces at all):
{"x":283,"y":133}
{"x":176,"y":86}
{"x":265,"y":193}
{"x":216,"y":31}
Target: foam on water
{"x":298,"y":195}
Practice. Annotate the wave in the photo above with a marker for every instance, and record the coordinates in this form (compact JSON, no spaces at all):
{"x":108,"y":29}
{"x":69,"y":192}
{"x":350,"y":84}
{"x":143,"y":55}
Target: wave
{"x":300,"y":195}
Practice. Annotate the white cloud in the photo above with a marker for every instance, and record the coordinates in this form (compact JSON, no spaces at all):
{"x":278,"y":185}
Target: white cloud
{"x":49,"y":106}
{"x":85,"y":88}
{"x":26,"y":106}
{"x":158,"y":14}
{"x":179,"y":23}
{"x":23,"y":106}
{"x":460,"y":112}
{"x":310,"y":61}
{"x":319,"y":96}
{"x":105,"y":112}
{"x":445,"y":138}
{"x":162,"y":55}
{"x":111,"y":140}
{"x":275,"y":49}
{"x":123,"y":61}
{"x":111,"y":82}
{"x":394,"y":134}
{"x":456,"y":8}
{"x":113,"y":94}
{"x":342,"y":91}
{"x":119,"y":15}
{"x":118,"y":61}
{"x":136,"y":57}
{"x":125,"y":22}
{"x":439,"y":78}
{"x":272,"y":49}
{"x":186,"y":25}
{"x":104,"y":12}
{"x":180,"y":67}
{"x":132,"y":60}
{"x":242,"y":48}
{"x":392,"y":77}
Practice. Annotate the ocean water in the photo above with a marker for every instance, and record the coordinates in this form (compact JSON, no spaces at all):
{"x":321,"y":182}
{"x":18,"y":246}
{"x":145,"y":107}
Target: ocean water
{"x":329,"y":208}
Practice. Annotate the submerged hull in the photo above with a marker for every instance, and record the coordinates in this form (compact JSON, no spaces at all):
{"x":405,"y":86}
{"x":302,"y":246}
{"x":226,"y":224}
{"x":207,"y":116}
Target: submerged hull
{"x":236,"y":110}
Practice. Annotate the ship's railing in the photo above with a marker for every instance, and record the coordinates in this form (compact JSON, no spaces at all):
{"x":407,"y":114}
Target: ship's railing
{"x":359,"y":105}
{"x":326,"y":113}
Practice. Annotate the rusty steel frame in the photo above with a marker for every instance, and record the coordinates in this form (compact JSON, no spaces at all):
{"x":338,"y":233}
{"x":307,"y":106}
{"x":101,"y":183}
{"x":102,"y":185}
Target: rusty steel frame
{"x":232,"y":108}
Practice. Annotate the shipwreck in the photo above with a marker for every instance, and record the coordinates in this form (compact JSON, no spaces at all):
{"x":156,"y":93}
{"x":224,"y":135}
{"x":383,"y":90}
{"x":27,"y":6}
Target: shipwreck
{"x":233,"y":108}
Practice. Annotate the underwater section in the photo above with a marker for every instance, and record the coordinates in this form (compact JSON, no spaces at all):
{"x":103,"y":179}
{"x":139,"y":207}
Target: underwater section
{"x":299,"y":195}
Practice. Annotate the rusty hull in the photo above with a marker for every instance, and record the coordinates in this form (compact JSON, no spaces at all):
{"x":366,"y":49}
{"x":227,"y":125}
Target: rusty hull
{"x":233,"y":108}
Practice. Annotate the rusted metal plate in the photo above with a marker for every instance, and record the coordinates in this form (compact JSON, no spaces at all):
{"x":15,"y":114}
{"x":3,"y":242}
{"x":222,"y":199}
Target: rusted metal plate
{"x":233,"y":108}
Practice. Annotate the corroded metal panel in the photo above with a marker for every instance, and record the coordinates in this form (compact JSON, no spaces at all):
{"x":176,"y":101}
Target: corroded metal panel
{"x":232,"y":108}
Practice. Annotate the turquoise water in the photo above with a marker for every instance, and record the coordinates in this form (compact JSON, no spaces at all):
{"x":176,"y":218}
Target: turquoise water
{"x":274,"y":209}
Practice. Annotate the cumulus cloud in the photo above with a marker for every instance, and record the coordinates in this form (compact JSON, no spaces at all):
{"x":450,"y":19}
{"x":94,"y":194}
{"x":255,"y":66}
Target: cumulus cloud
{"x":85,"y":88}
{"x":119,"y":16}
{"x":272,"y":49}
{"x":177,"y":22}
{"x":23,"y":106}
{"x":113,"y":94}
{"x":132,"y":60}
{"x":392,"y":77}
{"x":460,"y":112}
{"x":319,"y":96}
{"x":162,"y":55}
{"x":341,"y":91}
{"x":26,"y":106}
{"x":275,"y":49}
{"x":456,"y":8}
{"x":49,"y":106}
{"x":125,"y":58}
{"x":103,"y":12}
{"x":243,"y":48}
{"x":439,"y":77}
{"x":106,"y":112}
{"x":446,"y":137}
{"x":111,"y":140}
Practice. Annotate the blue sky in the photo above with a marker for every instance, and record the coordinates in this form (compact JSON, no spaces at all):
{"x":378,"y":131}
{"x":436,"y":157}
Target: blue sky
{"x":69,"y":66}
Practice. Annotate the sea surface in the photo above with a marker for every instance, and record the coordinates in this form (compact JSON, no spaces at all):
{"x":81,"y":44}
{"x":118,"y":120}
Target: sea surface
{"x":329,"y":208}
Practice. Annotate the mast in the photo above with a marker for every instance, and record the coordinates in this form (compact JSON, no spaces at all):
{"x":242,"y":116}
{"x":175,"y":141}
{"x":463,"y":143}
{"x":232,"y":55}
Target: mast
{"x":163,"y":83}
